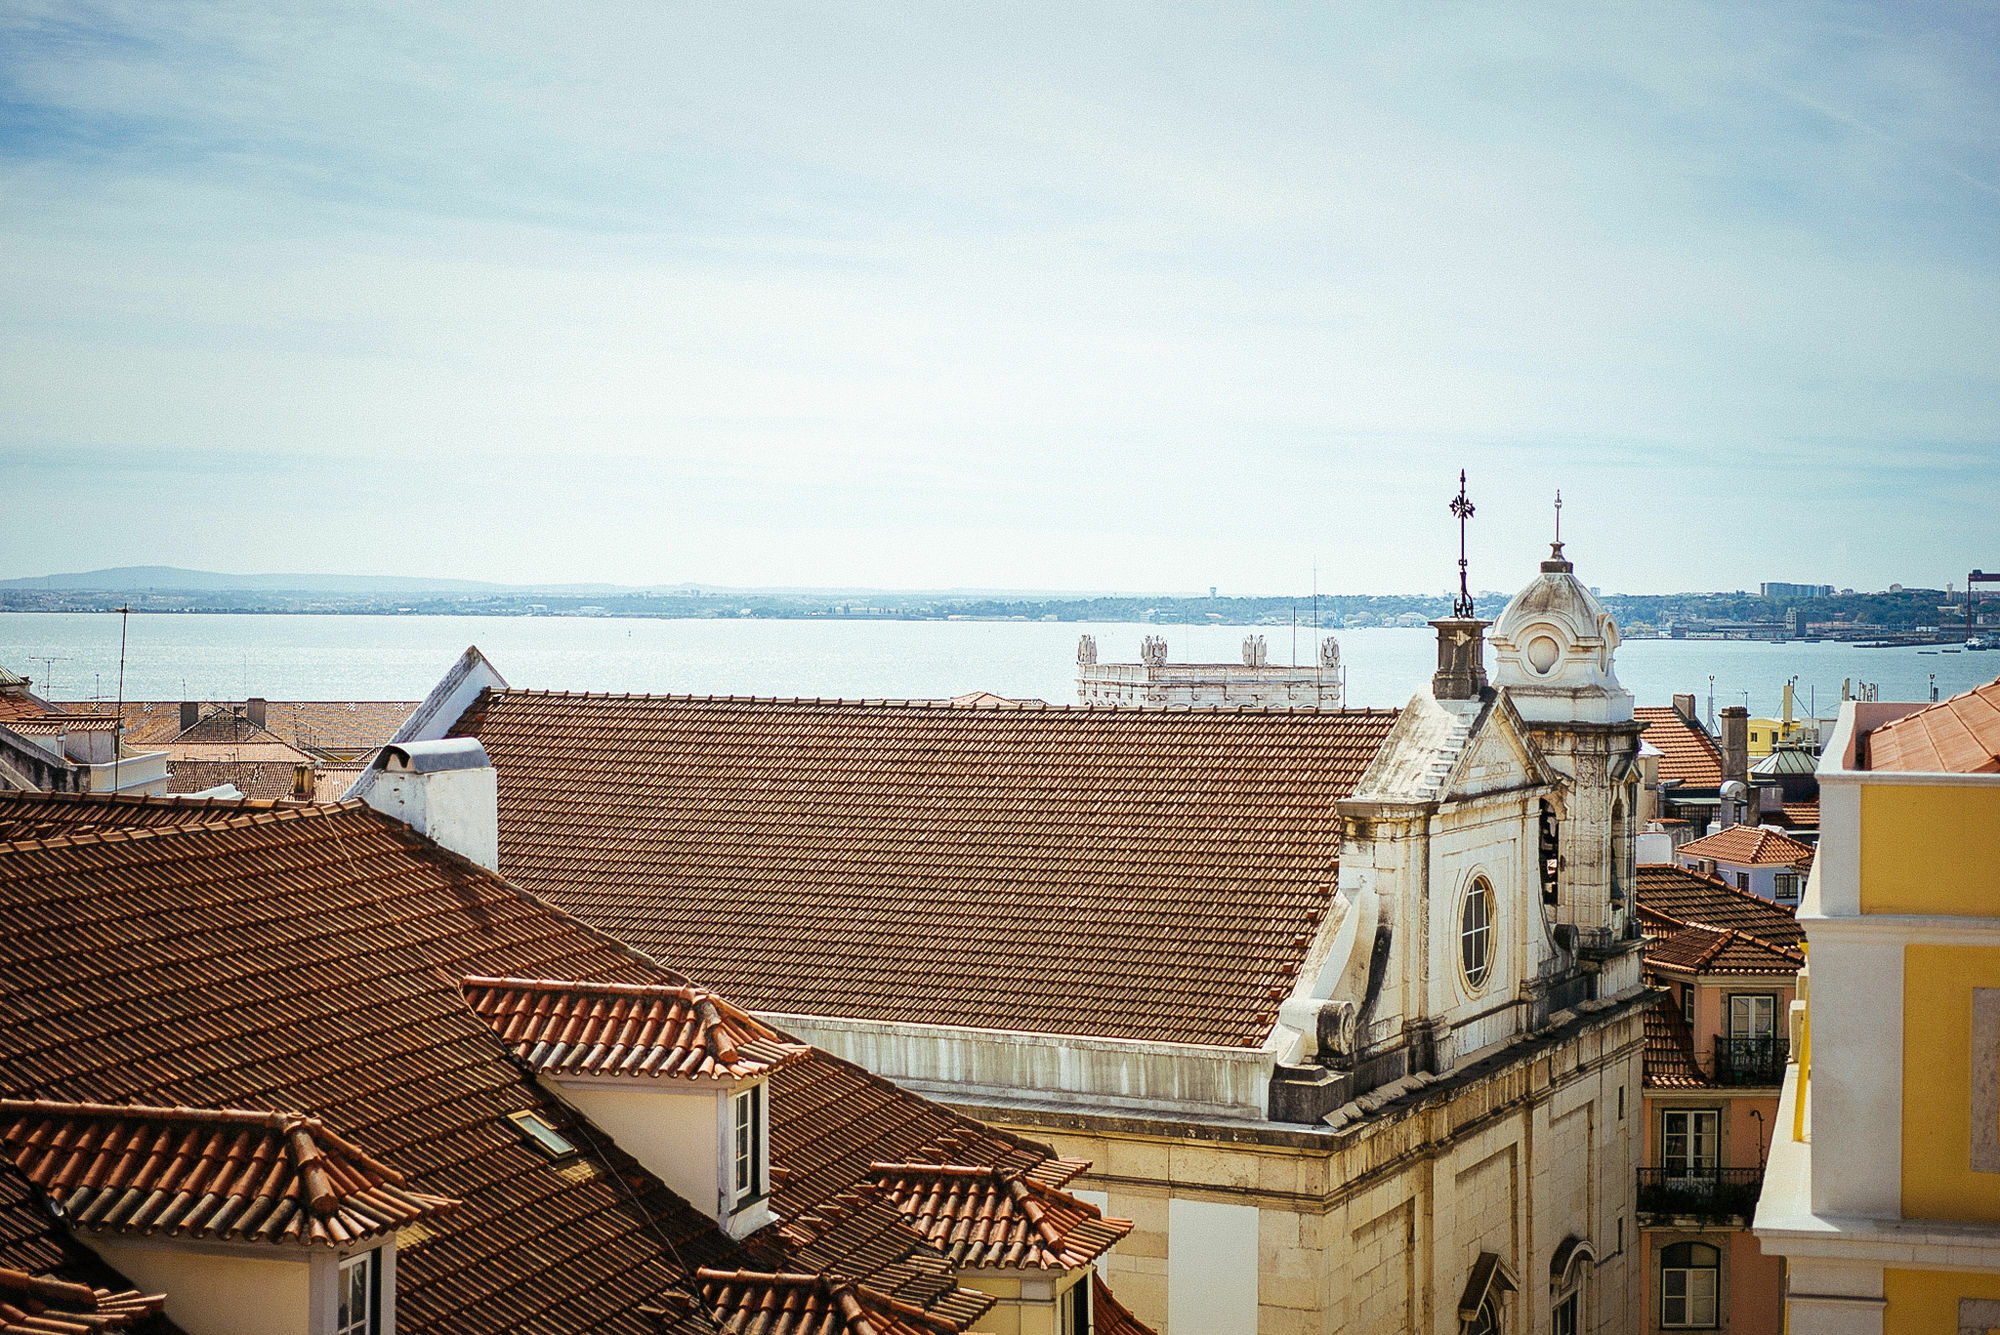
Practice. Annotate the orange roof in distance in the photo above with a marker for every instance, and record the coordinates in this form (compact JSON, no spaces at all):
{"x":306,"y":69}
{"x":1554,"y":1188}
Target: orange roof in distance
{"x":1687,"y":753}
{"x":992,"y":1216}
{"x":1748,"y":846}
{"x":1956,"y":736}
{"x":635,"y":1029}
{"x":227,"y":1174}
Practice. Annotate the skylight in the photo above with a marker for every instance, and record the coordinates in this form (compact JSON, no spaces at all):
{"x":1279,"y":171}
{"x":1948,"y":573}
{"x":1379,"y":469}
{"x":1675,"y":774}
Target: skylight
{"x":541,"y":1135}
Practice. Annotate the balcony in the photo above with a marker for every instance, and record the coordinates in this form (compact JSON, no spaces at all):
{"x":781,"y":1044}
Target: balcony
{"x":1711,"y":1195}
{"x":1751,"y":1061}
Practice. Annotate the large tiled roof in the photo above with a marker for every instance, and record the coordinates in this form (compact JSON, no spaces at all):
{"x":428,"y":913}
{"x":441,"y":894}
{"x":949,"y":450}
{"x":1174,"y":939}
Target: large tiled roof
{"x":1133,"y":873}
{"x":39,"y":1305}
{"x":1678,"y":896}
{"x":340,"y":990}
{"x":990,"y":1216}
{"x":1687,"y":753}
{"x":1956,"y":736}
{"x":748,"y":1302}
{"x":1670,"y":1061}
{"x":224,"y":1174}
{"x":1748,"y":846}
{"x":52,"y":815}
{"x":627,"y":1029}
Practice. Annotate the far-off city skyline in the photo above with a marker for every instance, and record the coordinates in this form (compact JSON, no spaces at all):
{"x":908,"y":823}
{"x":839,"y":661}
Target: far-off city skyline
{"x":1061,"y":297}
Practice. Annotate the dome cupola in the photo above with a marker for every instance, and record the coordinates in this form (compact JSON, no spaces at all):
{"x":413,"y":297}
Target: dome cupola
{"x":1553,"y":649}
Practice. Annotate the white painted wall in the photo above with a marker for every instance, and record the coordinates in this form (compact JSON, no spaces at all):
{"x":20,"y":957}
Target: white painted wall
{"x":1211,"y":1268}
{"x":458,"y":809}
{"x":214,"y":1294}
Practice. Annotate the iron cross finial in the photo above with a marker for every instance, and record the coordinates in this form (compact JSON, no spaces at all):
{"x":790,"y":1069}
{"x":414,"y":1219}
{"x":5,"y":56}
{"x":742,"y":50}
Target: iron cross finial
{"x":1559,"y":516}
{"x":1461,"y":505}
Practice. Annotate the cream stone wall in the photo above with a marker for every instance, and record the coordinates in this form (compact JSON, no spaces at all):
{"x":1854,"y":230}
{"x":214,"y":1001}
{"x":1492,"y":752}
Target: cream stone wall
{"x":1375,"y":1231}
{"x":215,"y":1293}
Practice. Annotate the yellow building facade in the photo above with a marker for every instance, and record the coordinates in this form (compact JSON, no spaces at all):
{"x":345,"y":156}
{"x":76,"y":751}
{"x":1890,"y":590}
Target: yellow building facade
{"x":1883,"y":1189}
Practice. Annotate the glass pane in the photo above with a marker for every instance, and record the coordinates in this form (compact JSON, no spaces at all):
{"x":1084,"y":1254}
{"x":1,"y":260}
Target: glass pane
{"x":352,"y":1318}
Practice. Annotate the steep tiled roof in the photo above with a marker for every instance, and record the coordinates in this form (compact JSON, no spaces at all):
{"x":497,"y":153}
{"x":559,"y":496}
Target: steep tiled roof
{"x":1748,"y":846}
{"x":226,"y":1174}
{"x":763,"y":1303}
{"x":1670,"y":1062}
{"x":339,"y":990}
{"x":1133,"y":873}
{"x":1108,"y":1315}
{"x":634,"y":1029}
{"x":1679,"y":896}
{"x":991,"y":1216}
{"x":1956,"y":736}
{"x":1699,"y":949}
{"x":1687,"y":753}
{"x":38,"y":1305}
{"x":50,"y":815}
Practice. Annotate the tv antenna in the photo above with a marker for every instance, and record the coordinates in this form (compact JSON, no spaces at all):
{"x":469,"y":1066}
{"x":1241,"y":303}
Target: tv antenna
{"x":48,"y":662}
{"x":118,"y":733}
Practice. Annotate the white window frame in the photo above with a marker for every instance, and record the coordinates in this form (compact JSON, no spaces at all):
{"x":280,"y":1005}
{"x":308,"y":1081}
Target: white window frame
{"x":1700,"y":1290}
{"x":367,"y":1269}
{"x":749,"y":1135}
{"x":1750,"y":1027}
{"x":1700,"y":1138}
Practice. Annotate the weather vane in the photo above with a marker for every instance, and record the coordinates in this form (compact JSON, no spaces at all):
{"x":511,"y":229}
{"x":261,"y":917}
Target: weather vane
{"x":1462,"y":507}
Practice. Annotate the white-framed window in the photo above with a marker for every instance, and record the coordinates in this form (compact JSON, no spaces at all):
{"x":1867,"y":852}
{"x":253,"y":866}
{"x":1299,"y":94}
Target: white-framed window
{"x":1687,"y":1003}
{"x":1475,"y":932}
{"x":747,"y":1145}
{"x":1075,"y":1317}
{"x":358,"y":1309}
{"x":1688,"y":1275}
{"x":1690,"y":1139}
{"x":1753,"y":1015}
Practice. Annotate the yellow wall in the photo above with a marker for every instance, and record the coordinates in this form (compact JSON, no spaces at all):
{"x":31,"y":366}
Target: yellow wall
{"x":1922,"y":1302}
{"x":1930,"y":849}
{"x":1938,"y":1181}
{"x":210,"y":1294}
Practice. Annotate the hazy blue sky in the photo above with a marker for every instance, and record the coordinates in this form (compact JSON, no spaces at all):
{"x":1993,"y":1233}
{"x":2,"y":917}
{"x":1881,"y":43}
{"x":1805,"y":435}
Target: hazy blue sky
{"x":1059,"y":296}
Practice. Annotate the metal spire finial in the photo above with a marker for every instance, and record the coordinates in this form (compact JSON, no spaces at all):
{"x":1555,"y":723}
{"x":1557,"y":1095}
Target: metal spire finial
{"x":1461,"y":506}
{"x":1556,"y":548}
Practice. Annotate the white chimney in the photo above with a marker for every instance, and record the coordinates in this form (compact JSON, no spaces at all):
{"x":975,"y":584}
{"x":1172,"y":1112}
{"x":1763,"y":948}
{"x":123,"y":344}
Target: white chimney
{"x":1656,"y":847}
{"x":445,"y":790}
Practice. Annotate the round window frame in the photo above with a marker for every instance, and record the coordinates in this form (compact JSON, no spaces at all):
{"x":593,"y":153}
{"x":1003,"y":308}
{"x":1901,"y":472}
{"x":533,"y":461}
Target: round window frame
{"x":1482,"y":884}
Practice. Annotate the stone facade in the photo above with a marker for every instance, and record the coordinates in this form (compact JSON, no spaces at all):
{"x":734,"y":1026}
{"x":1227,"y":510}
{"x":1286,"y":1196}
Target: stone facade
{"x":1254,"y":683}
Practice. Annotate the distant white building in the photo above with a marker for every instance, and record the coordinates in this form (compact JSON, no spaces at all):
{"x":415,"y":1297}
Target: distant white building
{"x":1253,"y":683}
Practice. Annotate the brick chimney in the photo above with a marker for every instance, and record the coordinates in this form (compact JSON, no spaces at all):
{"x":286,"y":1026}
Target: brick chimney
{"x":256,"y":709}
{"x":1461,"y":670}
{"x":1735,"y":742}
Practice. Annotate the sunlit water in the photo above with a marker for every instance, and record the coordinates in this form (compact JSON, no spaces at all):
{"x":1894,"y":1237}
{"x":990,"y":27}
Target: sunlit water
{"x":400,"y":657}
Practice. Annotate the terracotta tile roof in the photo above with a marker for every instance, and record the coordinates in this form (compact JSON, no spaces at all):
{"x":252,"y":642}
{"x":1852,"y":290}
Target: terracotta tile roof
{"x":1956,"y":736}
{"x":1108,"y":1315}
{"x":1802,"y":815}
{"x":989,"y":1216}
{"x":1134,"y":873}
{"x":1687,"y":753}
{"x":32,"y":1243}
{"x":1675,"y":896}
{"x":1700,"y":949}
{"x":1670,"y":1061}
{"x":48,"y":815}
{"x":340,"y":991}
{"x":317,"y":726}
{"x":38,"y":1305}
{"x":1748,"y":846}
{"x":632,"y":1029}
{"x":52,"y":725}
{"x":269,"y":781}
{"x":750,"y":1302}
{"x":227,"y":1174}
{"x":331,"y":782}
{"x":988,"y":700}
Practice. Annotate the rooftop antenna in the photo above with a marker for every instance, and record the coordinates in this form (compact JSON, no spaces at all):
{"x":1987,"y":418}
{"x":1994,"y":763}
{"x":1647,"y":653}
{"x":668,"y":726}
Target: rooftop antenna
{"x":118,"y":733}
{"x":48,"y":662}
{"x":1462,"y":507}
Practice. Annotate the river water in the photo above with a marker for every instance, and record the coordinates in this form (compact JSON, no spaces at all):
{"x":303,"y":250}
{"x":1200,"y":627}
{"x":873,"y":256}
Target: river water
{"x":172,"y":656}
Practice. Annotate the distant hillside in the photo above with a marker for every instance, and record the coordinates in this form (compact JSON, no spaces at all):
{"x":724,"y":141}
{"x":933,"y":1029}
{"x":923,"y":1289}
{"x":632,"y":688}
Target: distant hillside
{"x":163,"y":579}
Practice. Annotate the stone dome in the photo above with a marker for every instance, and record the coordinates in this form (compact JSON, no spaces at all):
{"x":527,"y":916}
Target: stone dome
{"x":1553,"y":650}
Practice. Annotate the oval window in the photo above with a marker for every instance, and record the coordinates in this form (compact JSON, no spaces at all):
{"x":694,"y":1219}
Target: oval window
{"x":1475,"y":932}
{"x":1543,"y":652}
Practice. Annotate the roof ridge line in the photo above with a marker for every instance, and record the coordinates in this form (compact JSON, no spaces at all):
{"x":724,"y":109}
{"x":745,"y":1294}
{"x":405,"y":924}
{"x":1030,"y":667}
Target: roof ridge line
{"x":927,"y":703}
{"x":270,"y":815}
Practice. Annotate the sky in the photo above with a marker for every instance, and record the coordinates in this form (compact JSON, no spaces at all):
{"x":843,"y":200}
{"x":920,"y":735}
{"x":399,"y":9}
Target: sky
{"x":1063,"y":296}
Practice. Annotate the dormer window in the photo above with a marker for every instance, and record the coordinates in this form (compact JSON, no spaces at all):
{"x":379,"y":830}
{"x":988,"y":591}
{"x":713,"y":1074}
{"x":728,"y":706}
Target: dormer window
{"x":541,"y":1135}
{"x":747,"y":1117}
{"x":360,"y":1290}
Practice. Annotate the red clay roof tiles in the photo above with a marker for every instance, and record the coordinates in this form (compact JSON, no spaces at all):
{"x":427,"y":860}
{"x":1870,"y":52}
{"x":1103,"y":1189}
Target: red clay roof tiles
{"x":763,"y":1303}
{"x":1707,"y":950}
{"x":1108,"y":1315}
{"x":1748,"y":846}
{"x":990,"y":1216}
{"x":1672,"y":896}
{"x":1687,"y":753}
{"x":628,"y":1029}
{"x":1956,"y":736}
{"x":1670,"y":1060}
{"x":208,"y":1173}
{"x":1124,"y":872}
{"x":39,"y":1305}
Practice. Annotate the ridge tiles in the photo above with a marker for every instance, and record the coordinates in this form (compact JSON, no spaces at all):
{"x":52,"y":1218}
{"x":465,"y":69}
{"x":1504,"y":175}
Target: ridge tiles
{"x":39,"y":1305}
{"x":1960,"y":735}
{"x":562,"y":1027}
{"x":750,"y":1302}
{"x":1748,"y":846}
{"x":232,"y":1174}
{"x":991,"y":1215}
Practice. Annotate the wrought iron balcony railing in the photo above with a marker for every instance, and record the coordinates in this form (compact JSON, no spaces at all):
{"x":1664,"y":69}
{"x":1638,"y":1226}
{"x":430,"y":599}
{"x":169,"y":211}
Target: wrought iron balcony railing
{"x":1711,"y":1194}
{"x":1750,"y":1061}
